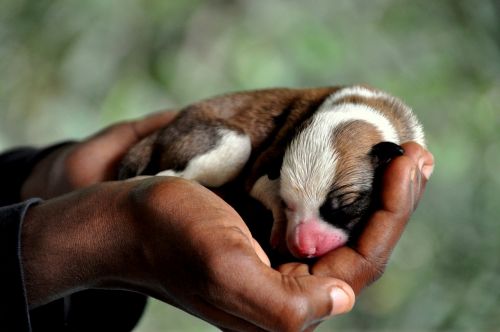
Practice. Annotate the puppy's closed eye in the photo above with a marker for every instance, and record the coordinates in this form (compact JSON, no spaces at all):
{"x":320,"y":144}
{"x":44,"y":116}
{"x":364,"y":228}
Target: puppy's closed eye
{"x":340,"y":211}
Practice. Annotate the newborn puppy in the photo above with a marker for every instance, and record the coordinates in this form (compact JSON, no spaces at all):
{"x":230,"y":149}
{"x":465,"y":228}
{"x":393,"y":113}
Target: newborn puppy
{"x":308,"y":155}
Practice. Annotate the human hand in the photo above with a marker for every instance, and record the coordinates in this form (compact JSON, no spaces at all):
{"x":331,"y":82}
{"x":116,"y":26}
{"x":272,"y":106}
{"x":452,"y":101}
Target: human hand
{"x":174,"y":240}
{"x":90,"y":161}
{"x":403,"y":184}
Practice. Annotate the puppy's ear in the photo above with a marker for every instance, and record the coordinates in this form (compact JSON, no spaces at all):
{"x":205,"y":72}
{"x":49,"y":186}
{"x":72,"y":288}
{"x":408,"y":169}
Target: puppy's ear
{"x":383,"y":152}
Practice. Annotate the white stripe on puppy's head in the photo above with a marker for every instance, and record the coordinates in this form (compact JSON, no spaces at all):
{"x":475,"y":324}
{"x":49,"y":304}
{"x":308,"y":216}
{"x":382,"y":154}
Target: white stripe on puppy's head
{"x":405,"y":121}
{"x":309,"y":163}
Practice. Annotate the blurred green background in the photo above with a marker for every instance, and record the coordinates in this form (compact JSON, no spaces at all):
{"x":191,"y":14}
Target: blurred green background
{"x":68,"y":68}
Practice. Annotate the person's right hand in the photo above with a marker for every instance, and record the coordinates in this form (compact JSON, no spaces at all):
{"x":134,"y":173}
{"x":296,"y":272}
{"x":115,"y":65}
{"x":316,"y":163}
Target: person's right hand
{"x":174,"y":240}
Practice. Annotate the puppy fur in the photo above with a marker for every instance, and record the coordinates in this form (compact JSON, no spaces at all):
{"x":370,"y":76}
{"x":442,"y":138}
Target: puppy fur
{"x":308,"y":155}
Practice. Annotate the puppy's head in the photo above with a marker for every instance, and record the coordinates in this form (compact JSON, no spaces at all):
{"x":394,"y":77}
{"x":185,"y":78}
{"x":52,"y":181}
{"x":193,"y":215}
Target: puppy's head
{"x":326,"y":181}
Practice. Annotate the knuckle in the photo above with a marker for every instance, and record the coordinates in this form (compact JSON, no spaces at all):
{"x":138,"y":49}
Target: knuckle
{"x":374,"y":267}
{"x":153,"y":190}
{"x":145,"y":194}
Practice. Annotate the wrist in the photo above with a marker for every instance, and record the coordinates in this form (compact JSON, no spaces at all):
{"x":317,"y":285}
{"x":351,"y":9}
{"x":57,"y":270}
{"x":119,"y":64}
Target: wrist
{"x":78,"y":241}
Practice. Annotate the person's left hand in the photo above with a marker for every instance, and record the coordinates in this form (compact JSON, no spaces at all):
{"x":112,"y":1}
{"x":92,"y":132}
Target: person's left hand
{"x":90,"y":161}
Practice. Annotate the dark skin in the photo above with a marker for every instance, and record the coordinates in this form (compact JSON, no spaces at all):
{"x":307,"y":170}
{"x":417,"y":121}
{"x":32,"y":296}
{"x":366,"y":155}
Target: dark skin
{"x":179,"y":242}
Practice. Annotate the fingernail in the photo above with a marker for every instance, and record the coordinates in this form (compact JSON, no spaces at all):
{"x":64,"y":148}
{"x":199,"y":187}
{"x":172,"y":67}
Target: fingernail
{"x":427,"y":171}
{"x":341,"y":301}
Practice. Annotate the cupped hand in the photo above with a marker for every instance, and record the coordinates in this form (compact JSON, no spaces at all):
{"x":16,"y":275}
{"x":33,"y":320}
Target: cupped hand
{"x":90,"y":161}
{"x":174,"y":240}
{"x":403,"y":184}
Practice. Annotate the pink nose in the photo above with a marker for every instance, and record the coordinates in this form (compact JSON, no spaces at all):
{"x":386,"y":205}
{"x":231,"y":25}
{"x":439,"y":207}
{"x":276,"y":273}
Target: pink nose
{"x":313,"y":238}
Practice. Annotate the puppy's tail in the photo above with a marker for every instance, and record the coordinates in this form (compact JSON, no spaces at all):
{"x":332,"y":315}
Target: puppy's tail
{"x":137,"y":158}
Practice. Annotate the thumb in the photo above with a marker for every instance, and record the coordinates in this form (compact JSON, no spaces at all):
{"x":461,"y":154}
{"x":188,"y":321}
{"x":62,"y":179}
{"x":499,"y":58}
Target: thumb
{"x":341,"y":293}
{"x":302,"y":302}
{"x":275,"y":301}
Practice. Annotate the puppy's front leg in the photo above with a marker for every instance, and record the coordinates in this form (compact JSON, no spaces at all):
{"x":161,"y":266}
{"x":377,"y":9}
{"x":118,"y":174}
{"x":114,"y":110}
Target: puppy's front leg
{"x":267,"y":192}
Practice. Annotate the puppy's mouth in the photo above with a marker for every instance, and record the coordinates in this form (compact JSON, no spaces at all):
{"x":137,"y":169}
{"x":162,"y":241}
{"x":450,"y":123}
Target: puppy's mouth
{"x":314,"y":238}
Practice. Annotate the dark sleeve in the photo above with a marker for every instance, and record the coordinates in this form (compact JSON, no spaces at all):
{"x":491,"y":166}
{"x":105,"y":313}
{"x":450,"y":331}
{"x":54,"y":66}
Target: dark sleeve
{"x":14,"y":315}
{"x":90,"y":310}
{"x":16,"y":166}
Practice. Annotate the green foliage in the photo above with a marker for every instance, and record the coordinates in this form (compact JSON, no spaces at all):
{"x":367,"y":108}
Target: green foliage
{"x":70,"y":67}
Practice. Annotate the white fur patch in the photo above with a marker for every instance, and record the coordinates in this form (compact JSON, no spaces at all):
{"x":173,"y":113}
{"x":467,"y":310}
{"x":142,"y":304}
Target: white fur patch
{"x":309,"y":163}
{"x":219,"y":165}
{"x":356,"y":91}
{"x":359,"y":91}
{"x":336,"y":115}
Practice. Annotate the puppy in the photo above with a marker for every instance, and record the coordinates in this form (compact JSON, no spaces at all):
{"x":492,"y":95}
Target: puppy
{"x":308,"y":155}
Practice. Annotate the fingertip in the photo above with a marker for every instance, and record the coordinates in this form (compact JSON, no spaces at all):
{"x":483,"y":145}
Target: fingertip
{"x":427,"y":171}
{"x":260,"y":253}
{"x":422,"y":157}
{"x":343,"y":299}
{"x":428,"y":165}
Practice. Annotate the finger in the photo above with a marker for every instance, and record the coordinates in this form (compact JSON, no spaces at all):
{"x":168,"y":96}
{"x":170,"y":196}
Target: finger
{"x":126,"y":133}
{"x":425,"y":165}
{"x":102,"y":152}
{"x":152,"y":122}
{"x":365,"y":261}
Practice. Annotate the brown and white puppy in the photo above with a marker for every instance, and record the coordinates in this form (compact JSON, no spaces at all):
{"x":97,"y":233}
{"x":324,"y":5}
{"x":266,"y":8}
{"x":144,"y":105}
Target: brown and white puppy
{"x":308,"y":155}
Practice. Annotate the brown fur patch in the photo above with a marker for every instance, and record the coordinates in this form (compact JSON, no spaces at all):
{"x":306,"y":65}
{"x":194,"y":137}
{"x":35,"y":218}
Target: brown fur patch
{"x":269,"y":117}
{"x":353,"y":142}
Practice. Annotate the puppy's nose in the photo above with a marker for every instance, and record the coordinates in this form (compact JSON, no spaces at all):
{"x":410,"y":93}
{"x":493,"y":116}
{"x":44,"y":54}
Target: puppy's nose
{"x":313,"y":238}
